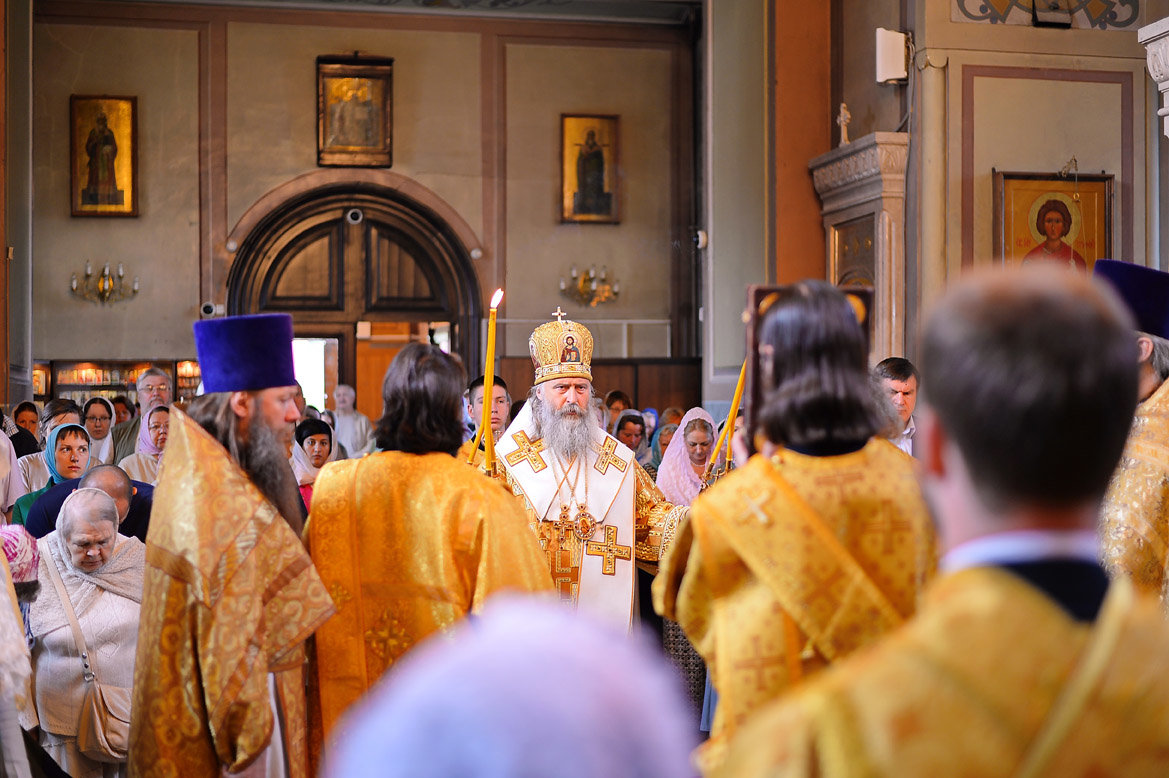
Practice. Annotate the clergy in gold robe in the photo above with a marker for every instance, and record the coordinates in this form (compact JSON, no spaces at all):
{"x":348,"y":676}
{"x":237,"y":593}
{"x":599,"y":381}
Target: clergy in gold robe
{"x":809,"y":552}
{"x":1135,"y":516}
{"x":595,"y":511}
{"x":409,"y":540}
{"x":1023,"y":659}
{"x":230,"y":593}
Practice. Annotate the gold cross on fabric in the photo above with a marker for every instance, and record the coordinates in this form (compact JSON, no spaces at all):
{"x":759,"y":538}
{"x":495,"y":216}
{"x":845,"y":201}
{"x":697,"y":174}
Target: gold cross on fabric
{"x":758,"y":663}
{"x":609,"y":550}
{"x":529,"y":450}
{"x":606,"y":457}
{"x":755,"y":505}
{"x":886,"y":525}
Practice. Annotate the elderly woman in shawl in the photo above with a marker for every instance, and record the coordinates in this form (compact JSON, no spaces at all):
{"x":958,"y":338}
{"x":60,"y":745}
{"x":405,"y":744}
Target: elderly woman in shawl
{"x":143,"y":464}
{"x":98,"y":416}
{"x":16,"y":568}
{"x":66,"y":456}
{"x":102,"y":572}
{"x":314,"y":447}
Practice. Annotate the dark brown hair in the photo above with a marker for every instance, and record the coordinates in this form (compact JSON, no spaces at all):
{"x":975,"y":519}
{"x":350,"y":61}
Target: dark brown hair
{"x":423,"y":402}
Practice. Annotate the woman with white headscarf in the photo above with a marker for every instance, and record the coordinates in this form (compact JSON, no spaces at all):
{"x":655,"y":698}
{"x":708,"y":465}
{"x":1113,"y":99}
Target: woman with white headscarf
{"x":314,"y":447}
{"x":101,"y":573}
{"x":98,"y":417}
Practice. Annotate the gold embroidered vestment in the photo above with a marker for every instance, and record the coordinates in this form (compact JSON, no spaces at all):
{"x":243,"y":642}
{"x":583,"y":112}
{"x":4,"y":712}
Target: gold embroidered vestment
{"x":990,"y":678}
{"x":407,"y":545}
{"x":1134,"y":518}
{"x":791,"y":563}
{"x":230,"y":595}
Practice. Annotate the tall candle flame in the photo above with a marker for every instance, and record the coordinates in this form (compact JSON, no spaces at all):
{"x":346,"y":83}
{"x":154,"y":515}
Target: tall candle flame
{"x":496,"y":299}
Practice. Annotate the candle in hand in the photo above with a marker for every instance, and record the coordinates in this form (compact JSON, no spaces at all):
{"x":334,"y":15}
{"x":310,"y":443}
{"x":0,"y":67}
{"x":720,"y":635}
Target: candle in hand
{"x":488,"y":385}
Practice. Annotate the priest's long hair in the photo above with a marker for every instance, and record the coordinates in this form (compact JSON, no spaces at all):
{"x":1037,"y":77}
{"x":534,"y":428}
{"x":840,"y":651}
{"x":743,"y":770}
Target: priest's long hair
{"x":813,"y":364}
{"x":423,"y":396}
{"x":260,"y":453}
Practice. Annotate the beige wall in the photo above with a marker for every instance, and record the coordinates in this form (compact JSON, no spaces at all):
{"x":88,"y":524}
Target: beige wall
{"x":272,"y":114}
{"x":874,"y":107}
{"x":161,"y":245}
{"x":543,"y":82}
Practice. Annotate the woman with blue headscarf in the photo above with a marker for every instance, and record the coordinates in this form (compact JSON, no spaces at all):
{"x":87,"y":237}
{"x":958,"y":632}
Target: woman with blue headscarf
{"x":66,"y":455}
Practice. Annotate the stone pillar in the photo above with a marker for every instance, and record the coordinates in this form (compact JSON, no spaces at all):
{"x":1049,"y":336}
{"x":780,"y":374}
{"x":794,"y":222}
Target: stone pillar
{"x":932,"y":197}
{"x":1155,"y":38}
{"x":862,"y":193}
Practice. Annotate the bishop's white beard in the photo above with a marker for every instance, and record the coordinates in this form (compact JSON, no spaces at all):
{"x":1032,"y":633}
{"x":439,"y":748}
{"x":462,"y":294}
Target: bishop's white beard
{"x":567,"y":431}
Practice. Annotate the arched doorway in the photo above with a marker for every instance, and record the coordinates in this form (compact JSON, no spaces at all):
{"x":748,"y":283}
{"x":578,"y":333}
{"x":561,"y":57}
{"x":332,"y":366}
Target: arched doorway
{"x":359,"y":253}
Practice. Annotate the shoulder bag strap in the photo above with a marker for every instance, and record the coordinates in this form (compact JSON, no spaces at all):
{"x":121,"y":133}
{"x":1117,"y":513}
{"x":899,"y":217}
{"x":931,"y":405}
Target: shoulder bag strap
{"x":78,"y":638}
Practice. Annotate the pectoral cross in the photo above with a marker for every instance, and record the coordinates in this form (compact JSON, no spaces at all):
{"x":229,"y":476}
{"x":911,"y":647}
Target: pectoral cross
{"x":609,"y":550}
{"x":529,"y":450}
{"x":606,"y":457}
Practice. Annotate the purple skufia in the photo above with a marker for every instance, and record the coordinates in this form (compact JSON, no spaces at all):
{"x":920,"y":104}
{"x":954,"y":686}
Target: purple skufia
{"x":1144,"y":290}
{"x":245,"y":353}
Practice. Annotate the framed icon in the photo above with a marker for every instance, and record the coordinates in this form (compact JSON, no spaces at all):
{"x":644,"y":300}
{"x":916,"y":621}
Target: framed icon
{"x":103,"y":155}
{"x":355,"y":110}
{"x":589,"y":169}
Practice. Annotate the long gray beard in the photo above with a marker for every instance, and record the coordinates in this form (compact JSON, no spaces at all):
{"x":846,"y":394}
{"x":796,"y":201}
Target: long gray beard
{"x":568,"y":431}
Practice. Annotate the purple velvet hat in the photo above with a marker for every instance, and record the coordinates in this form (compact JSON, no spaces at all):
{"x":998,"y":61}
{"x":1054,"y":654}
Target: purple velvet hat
{"x":245,"y":353}
{"x":1144,"y":290}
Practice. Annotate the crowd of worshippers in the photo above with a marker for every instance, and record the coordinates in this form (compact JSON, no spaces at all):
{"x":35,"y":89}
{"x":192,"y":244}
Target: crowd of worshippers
{"x":853,"y":585}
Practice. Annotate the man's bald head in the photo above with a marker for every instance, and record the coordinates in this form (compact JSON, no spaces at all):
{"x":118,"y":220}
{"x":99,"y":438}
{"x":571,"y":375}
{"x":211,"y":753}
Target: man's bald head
{"x":112,"y":480}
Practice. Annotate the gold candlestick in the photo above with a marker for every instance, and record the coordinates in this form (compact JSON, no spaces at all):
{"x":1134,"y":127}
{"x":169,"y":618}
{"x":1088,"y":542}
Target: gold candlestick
{"x":729,"y":428}
{"x":488,"y":386}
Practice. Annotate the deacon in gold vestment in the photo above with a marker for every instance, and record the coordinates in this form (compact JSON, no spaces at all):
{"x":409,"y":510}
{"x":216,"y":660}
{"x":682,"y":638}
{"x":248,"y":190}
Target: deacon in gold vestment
{"x":230,"y":594}
{"x":595,"y":511}
{"x":409,"y":540}
{"x":1134,"y":519}
{"x":802,"y":556}
{"x":1023,"y":660}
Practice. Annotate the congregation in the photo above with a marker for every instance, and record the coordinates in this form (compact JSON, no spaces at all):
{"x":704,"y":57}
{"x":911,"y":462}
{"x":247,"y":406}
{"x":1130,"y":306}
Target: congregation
{"x":834,"y":581}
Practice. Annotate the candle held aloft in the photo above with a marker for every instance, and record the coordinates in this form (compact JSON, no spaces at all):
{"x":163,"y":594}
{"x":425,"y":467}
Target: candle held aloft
{"x":488,"y":387}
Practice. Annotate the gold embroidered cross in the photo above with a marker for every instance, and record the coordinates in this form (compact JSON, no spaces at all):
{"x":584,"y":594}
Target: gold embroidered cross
{"x":822,"y":588}
{"x":759,"y":663}
{"x":886,"y":525}
{"x":755,"y":505}
{"x":606,"y":457}
{"x":609,"y":550}
{"x":529,"y":450}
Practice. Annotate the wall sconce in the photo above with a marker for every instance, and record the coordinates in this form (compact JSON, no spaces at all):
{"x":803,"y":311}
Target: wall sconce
{"x":590,"y":288}
{"x":105,"y":287}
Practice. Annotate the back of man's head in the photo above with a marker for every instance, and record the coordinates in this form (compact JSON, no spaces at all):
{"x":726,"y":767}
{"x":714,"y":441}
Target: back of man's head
{"x":423,"y":398}
{"x":1032,"y":374}
{"x":112,"y":480}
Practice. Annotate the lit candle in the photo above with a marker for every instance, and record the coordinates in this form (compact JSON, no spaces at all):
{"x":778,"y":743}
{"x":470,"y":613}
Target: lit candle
{"x":88,"y":268}
{"x":73,"y":283}
{"x":729,"y":429}
{"x":488,"y":385}
{"x":135,"y":284}
{"x":121,"y":272}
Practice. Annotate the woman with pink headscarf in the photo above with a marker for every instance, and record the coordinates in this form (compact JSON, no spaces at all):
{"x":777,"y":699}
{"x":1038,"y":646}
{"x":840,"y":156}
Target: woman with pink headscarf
{"x":686,"y":458}
{"x":143,"y":465}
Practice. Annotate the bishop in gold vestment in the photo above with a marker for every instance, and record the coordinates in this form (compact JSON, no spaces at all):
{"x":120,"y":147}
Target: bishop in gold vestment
{"x":990,"y":678}
{"x":407,"y":545}
{"x":793,"y":562}
{"x":230,"y":596}
{"x":595,"y":511}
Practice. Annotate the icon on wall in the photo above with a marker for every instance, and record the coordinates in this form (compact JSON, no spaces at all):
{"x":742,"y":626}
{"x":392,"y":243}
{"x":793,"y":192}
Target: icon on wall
{"x":589,"y":172}
{"x":103,"y":155}
{"x":1048,"y":217}
{"x":355,"y":111}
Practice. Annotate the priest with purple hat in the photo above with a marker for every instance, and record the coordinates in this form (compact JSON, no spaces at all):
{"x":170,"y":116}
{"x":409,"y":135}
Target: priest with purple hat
{"x":230,"y":594}
{"x":1134,"y":518}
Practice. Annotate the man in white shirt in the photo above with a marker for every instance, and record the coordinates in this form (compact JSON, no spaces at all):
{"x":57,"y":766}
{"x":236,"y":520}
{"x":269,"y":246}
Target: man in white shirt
{"x":899,"y":380}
